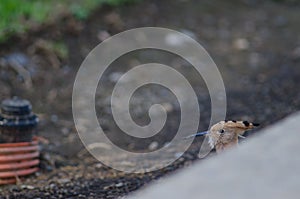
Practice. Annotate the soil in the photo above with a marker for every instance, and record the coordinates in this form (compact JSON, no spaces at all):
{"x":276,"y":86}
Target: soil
{"x":255,"y":45}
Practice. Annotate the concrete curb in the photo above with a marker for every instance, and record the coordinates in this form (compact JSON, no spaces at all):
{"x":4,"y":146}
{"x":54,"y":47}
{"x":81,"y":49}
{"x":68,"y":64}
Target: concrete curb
{"x":266,"y":166}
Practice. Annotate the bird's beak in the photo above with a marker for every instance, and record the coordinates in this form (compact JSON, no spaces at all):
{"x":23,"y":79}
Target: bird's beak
{"x":197,"y":134}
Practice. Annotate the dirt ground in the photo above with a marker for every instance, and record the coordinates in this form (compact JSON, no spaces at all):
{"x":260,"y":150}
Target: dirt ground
{"x":255,"y":45}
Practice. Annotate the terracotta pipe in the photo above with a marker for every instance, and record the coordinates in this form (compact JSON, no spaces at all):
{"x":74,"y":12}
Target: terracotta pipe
{"x":19,"y":144}
{"x":18,"y":160}
{"x":17,"y":173}
{"x":18,"y":149}
{"x":19,"y":165}
{"x":18,"y":157}
{"x":8,"y":181}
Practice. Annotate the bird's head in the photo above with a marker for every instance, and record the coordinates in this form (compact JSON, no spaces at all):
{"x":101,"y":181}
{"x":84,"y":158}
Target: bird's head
{"x":225,"y":132}
{"x":232,"y":127}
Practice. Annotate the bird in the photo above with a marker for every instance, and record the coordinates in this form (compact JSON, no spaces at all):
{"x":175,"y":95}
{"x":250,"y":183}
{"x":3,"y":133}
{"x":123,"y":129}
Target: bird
{"x":225,"y":134}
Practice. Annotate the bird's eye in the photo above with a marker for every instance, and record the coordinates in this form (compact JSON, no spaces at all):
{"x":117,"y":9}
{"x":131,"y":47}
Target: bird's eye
{"x":222,"y":131}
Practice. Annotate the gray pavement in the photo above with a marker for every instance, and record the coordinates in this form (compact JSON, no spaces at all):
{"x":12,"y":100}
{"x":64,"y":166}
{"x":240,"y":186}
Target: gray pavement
{"x":265,"y":166}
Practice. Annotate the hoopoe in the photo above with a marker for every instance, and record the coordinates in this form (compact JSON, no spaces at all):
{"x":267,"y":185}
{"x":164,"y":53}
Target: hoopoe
{"x":225,"y":134}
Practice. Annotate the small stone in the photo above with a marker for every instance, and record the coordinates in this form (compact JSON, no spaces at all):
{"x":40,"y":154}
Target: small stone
{"x":52,"y":186}
{"x":120,"y":184}
{"x":153,"y":146}
{"x":168,"y":107}
{"x":103,"y":35}
{"x":174,"y":39}
{"x":27,"y":187}
{"x":65,"y":131}
{"x":241,"y":44}
{"x":106,"y":187}
{"x":63,"y":180}
{"x":98,"y":165}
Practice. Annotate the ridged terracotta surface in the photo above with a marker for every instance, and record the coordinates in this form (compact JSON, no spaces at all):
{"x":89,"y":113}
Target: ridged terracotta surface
{"x":17,"y":160}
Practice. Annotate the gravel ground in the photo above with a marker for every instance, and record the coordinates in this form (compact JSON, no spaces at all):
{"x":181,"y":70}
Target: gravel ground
{"x":255,"y":45}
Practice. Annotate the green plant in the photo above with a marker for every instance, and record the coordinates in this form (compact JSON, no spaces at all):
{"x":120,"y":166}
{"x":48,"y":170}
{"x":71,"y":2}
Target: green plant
{"x":17,"y":16}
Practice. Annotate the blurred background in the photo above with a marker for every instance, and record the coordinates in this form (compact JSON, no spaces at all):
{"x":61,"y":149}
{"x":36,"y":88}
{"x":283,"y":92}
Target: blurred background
{"x":255,"y":44}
